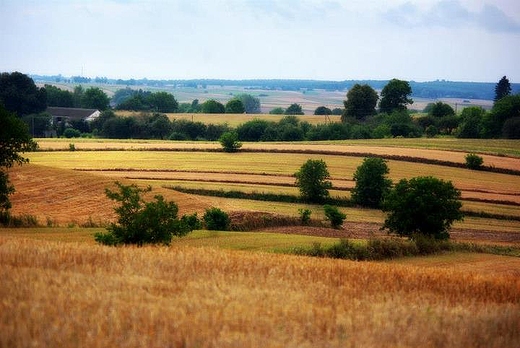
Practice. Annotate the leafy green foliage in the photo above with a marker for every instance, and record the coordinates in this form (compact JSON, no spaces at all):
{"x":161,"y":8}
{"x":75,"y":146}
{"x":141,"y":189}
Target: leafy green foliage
{"x":294,"y":109}
{"x":141,"y":222}
{"x":216,"y":219}
{"x":440,"y":109}
{"x":471,"y":122}
{"x":422,"y":205}
{"x":361,"y":102}
{"x":235,"y":106}
{"x":322,"y":110}
{"x":19,"y":94}
{"x":305,"y":216}
{"x":312,"y":181}
{"x":95,"y":98}
{"x":59,"y":97}
{"x":371,"y":182}
{"x":503,"y":109}
{"x":335,"y":216}
{"x":230,"y":142}
{"x":395,"y":96}
{"x":502,"y":89}
{"x":251,"y":104}
{"x":277,"y":111}
{"x":474,"y":161}
{"x":213,"y":107}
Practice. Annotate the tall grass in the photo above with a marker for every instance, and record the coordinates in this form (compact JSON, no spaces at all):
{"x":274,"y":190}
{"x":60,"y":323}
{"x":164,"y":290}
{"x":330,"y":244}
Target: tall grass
{"x":63,"y":295}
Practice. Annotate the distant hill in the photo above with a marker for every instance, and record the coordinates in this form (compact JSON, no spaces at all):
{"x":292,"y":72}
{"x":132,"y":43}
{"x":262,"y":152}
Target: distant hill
{"x":431,"y":90}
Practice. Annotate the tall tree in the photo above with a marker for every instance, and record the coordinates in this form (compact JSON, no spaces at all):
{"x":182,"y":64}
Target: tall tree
{"x":163,"y":102}
{"x":440,"y":109}
{"x":19,"y":94}
{"x":95,"y":98}
{"x":502,"y":89}
{"x":294,"y":109}
{"x":422,"y":205}
{"x":235,"y":106}
{"x":395,"y":96}
{"x":312,"y":180}
{"x":361,"y":102}
{"x":213,"y":107}
{"x":251,"y":104}
{"x":14,"y":138}
{"x":371,"y":182}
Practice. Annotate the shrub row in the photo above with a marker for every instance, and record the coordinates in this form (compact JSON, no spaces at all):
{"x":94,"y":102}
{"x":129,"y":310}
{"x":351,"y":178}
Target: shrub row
{"x":377,"y":249}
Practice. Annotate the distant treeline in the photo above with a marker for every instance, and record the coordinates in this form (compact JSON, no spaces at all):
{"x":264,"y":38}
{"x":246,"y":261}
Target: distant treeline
{"x":433,"y":89}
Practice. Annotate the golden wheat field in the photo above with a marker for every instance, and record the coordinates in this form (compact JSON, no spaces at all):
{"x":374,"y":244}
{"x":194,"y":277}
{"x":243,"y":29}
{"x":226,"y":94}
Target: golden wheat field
{"x":77,"y":295}
{"x":61,"y":289}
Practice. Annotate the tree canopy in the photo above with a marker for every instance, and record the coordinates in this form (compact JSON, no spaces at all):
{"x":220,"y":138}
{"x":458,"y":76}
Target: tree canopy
{"x":312,"y":180}
{"x":95,"y":98}
{"x":251,"y":104}
{"x":294,"y":109}
{"x":235,"y":106}
{"x":213,"y":107}
{"x":422,"y":205}
{"x":19,"y":94}
{"x":440,"y":109}
{"x":502,"y":89}
{"x":361,"y":102}
{"x":371,"y":182}
{"x":395,"y":96}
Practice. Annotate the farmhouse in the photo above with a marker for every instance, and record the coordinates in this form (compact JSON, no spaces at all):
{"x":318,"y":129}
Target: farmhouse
{"x":72,"y":114}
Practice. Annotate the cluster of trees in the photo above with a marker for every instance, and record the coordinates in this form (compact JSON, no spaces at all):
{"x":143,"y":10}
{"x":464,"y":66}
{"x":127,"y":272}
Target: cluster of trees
{"x":393,"y":119}
{"x":424,"y":206}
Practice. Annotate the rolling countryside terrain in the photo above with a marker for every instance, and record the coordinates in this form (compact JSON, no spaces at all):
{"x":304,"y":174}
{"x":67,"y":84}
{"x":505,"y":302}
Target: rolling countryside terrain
{"x":242,"y":289}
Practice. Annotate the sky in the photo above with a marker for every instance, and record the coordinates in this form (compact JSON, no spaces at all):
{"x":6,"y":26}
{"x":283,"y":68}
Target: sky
{"x":419,"y":40}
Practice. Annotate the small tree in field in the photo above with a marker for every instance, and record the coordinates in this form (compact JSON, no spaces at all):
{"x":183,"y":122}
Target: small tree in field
{"x":424,"y":205}
{"x":474,"y":161}
{"x":230,"y":142}
{"x":312,"y":181}
{"x":141,"y":222}
{"x":371,"y":182}
{"x":216,"y":219}
{"x":333,"y":214}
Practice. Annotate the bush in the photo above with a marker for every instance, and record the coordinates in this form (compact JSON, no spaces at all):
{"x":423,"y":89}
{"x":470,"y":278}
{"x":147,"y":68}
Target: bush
{"x":141,"y":222}
{"x":71,"y":133}
{"x":305,"y":216}
{"x":474,"y":161}
{"x":216,"y":219}
{"x":229,"y":142}
{"x":333,"y":214}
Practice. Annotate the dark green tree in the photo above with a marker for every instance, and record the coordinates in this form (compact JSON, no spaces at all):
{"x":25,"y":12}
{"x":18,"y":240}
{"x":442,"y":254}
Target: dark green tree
{"x":335,"y":216}
{"x":440,"y":109}
{"x":294,"y":109}
{"x":322,"y":110}
{"x":361,"y":102}
{"x":216,"y":219}
{"x":251,"y":104}
{"x":213,"y":107}
{"x":160,"y":125}
{"x":423,"y":205}
{"x":230,"y":142}
{"x":372,"y":183}
{"x":312,"y":181}
{"x":19,"y":94}
{"x":95,"y":98}
{"x":277,"y":111}
{"x":59,"y":97}
{"x":504,"y":109}
{"x":14,"y":139}
{"x":235,"y":106}
{"x":502,"y":89}
{"x":140,"y":222}
{"x":163,"y":102}
{"x":395,"y":96}
{"x":471,"y":122}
